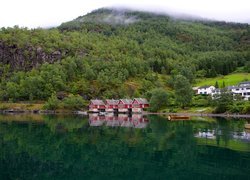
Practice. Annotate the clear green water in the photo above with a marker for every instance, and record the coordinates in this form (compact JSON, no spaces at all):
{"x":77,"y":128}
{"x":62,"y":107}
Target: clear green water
{"x":73,"y":147}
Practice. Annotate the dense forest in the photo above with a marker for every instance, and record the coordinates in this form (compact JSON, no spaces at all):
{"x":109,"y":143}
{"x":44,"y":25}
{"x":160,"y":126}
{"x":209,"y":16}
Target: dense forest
{"x":112,"y":53}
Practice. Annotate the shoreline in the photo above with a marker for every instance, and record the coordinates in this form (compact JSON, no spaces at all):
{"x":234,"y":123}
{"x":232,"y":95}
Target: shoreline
{"x":13,"y":111}
{"x":201,"y":114}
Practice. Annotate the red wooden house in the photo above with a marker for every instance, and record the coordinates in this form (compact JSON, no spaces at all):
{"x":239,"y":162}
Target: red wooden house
{"x":124,"y":105}
{"x":96,"y":105}
{"x":139,"y":104}
{"x":111,"y":105}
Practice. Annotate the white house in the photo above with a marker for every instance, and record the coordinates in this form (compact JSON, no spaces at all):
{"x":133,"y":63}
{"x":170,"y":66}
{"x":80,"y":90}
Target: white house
{"x":205,"y":90}
{"x":242,"y":89}
{"x":244,"y":84}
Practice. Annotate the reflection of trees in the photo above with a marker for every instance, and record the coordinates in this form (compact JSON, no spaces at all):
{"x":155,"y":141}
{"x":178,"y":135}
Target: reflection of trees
{"x":225,"y":127}
{"x":184,"y":147}
{"x":64,"y":123}
{"x":163,"y":150}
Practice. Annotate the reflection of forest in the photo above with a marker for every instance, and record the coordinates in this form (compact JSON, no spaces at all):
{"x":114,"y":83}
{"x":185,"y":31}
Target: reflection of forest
{"x":69,"y":148}
{"x":123,"y":120}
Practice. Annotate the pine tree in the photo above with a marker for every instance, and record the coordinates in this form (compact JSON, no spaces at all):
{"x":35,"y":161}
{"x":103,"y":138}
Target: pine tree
{"x":216,"y":85}
{"x":223,"y":84}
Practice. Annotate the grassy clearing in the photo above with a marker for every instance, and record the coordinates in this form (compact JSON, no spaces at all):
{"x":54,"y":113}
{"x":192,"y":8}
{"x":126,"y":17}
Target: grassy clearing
{"x":21,"y":106}
{"x":189,"y":110}
{"x":232,"y":79}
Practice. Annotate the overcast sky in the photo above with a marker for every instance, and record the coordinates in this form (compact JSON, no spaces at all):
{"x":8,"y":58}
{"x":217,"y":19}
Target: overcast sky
{"x":47,"y":13}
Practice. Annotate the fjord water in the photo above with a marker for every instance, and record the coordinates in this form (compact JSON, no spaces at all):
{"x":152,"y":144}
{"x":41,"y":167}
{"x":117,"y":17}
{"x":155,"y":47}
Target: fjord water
{"x":151,"y":147}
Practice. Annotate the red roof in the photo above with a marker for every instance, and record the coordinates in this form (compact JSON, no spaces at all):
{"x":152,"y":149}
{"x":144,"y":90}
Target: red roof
{"x":126,"y":101}
{"x":141,"y":100}
{"x":112,"y":102}
{"x":97,"y":102}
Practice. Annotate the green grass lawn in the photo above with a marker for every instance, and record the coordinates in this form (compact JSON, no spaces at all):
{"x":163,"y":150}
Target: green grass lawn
{"x":231,"y":79}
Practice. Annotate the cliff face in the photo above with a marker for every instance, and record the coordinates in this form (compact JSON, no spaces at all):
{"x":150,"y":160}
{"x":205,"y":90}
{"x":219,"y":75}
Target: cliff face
{"x":26,"y":58}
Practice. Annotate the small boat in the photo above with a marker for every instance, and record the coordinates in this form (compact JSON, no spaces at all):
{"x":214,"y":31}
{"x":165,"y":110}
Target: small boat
{"x":247,"y":126}
{"x":176,"y":117}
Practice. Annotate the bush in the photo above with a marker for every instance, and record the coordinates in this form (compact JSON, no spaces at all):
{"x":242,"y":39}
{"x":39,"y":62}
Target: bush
{"x":158,"y":100}
{"x":236,"y":108}
{"x":246,"y":109}
{"x":200,"y":101}
{"x":3,"y":107}
{"x":223,"y":103}
{"x":53,"y":103}
{"x":73,"y":102}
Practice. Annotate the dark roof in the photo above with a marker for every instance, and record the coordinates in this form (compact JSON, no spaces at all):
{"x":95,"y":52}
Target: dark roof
{"x":232,"y":87}
{"x":204,"y":87}
{"x":112,"y":101}
{"x":141,"y":100}
{"x":244,"y":83}
{"x":97,"y":102}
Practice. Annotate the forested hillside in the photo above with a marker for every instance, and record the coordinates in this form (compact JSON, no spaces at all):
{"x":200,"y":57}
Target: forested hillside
{"x":117,"y":53}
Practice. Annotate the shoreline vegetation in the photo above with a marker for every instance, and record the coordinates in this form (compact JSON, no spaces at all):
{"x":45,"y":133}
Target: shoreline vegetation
{"x":37,"y":108}
{"x":156,"y":58}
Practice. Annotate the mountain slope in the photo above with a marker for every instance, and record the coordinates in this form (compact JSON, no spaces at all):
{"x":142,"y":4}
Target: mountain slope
{"x":100,"y":54}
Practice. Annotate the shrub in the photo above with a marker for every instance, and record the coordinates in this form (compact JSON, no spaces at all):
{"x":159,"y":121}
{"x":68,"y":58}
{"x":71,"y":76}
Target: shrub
{"x":73,"y":102}
{"x":246,"y":109}
{"x":53,"y":103}
{"x":236,"y":108}
{"x":158,"y":100}
{"x":200,"y":100}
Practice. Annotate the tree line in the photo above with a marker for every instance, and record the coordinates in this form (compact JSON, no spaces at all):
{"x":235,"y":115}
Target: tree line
{"x":116,"y":60}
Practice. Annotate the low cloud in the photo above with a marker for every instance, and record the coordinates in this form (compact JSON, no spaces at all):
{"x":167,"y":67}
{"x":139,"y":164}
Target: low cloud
{"x":119,"y":19}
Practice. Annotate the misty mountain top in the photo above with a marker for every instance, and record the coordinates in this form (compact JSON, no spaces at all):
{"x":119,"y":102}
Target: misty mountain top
{"x":124,"y":16}
{"x":110,"y":16}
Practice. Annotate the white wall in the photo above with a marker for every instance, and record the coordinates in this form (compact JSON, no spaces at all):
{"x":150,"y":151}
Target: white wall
{"x":206,"y":90}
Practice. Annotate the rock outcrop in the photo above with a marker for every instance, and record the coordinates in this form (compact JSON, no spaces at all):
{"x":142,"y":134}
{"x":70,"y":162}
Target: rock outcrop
{"x":26,"y":58}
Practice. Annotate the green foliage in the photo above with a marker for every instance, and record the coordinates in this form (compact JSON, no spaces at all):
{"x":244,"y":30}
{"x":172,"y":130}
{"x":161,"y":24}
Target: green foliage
{"x":246,"y":109}
{"x":73,"y":102}
{"x":53,"y":103}
{"x":223,"y":102}
{"x":247,"y":66}
{"x":183,"y":91}
{"x":158,"y":100}
{"x":13,"y":91}
{"x":200,"y":101}
{"x":216,"y":85}
{"x":236,"y":108}
{"x":229,"y":80}
{"x":93,"y":58}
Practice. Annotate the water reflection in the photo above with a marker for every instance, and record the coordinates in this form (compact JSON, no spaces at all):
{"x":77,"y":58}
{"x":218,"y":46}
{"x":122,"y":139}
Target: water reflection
{"x":72,"y":147}
{"x":213,"y":134}
{"x":122,"y":120}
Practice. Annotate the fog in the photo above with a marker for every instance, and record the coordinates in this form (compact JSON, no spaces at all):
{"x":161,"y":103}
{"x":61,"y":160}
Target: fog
{"x":47,"y":13}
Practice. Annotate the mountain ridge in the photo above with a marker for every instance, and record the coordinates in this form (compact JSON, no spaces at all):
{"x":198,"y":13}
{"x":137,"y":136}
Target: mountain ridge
{"x":120,"y":11}
{"x":96,"y":59}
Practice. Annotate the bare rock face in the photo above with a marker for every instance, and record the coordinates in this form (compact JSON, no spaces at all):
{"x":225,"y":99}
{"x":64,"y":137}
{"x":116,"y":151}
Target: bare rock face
{"x":26,"y":58}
